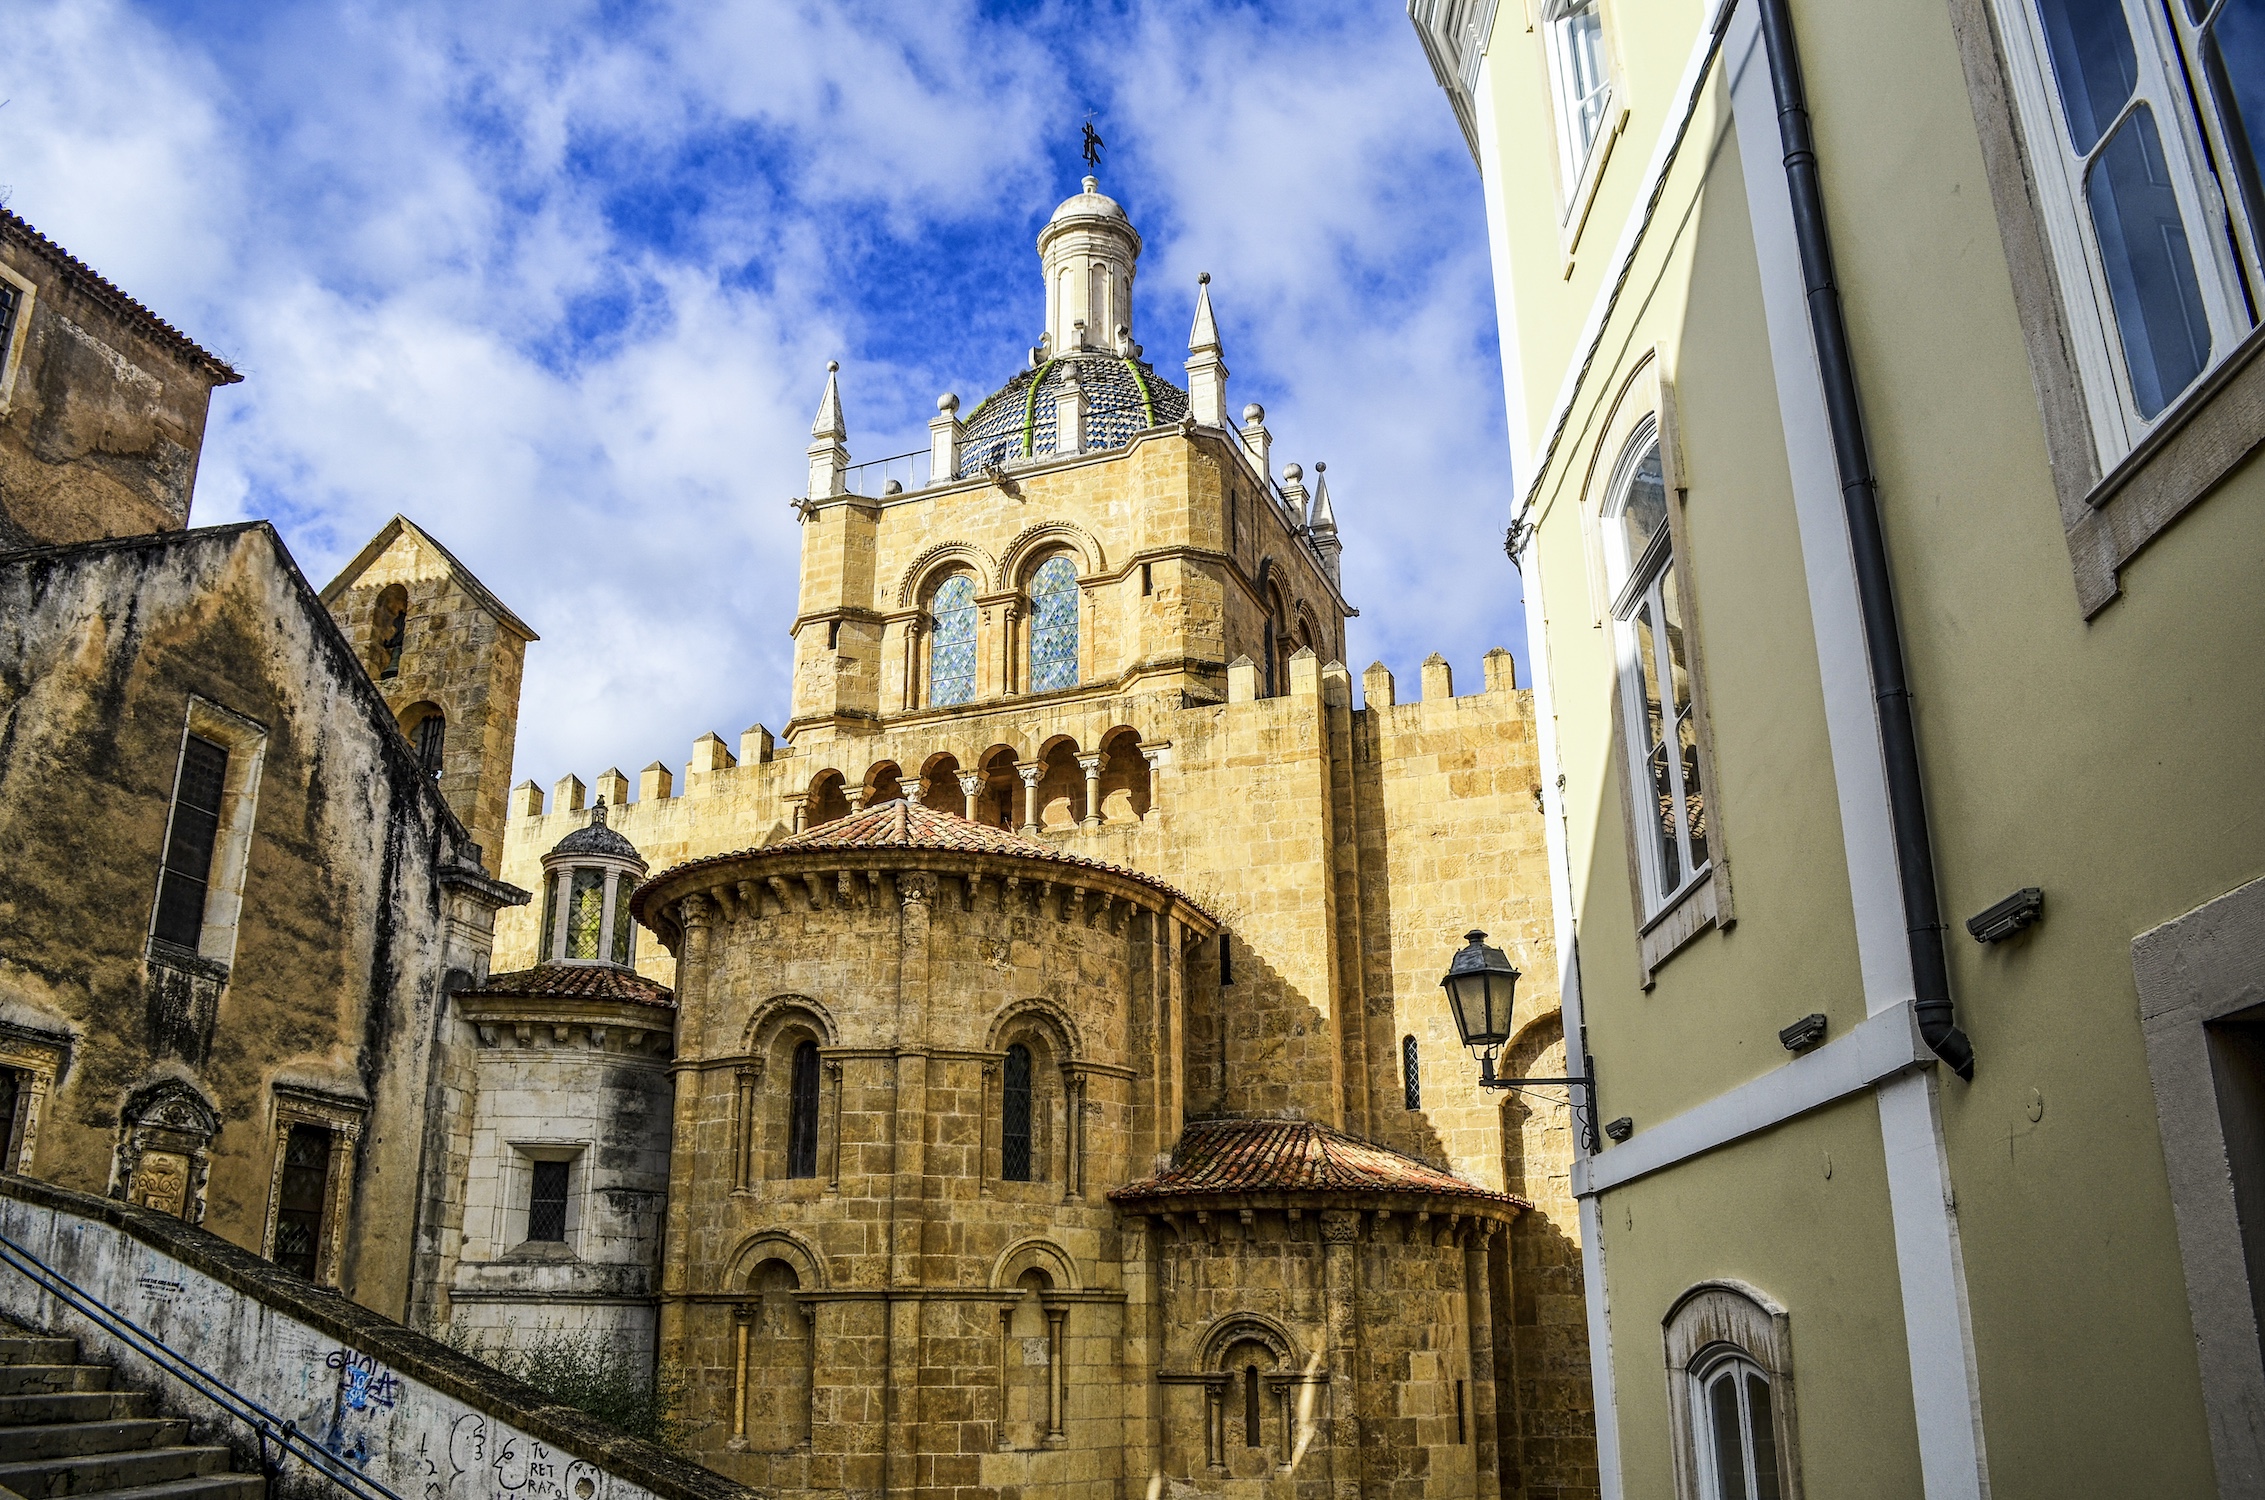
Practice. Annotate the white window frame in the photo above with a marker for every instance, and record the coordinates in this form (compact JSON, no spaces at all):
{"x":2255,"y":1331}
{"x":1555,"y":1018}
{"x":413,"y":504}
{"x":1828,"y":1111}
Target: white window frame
{"x":1704,"y":1437}
{"x":1579,"y":164}
{"x":2117,"y":426}
{"x":1710,"y":1323}
{"x":1635,"y":581}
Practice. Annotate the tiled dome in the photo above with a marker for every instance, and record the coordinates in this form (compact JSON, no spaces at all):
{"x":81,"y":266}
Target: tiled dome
{"x":1122,"y":396}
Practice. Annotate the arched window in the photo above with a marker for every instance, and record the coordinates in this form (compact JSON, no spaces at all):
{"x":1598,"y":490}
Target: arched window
{"x":389,"y":630}
{"x":1411,"y":1081}
{"x":432,"y":739}
{"x":585,"y":912}
{"x":951,"y":651}
{"x":1053,"y":625}
{"x":802,"y":1114}
{"x":1655,"y":671}
{"x":1736,"y":1430}
{"x":1014,"y":1117}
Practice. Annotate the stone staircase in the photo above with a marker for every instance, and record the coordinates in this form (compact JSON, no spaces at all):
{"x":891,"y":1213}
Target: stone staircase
{"x":64,"y":1432}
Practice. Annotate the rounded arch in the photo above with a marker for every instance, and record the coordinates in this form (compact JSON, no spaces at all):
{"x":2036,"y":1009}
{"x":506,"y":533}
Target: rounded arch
{"x":1126,"y":788}
{"x":999,"y":803}
{"x":1035,"y":1254}
{"x":389,"y":630}
{"x":1061,"y":786}
{"x":775,"y":1244}
{"x":1248,"y":1328}
{"x":939,"y":562}
{"x":772,"y":1015}
{"x":1054,"y":742}
{"x":1036,"y":1012}
{"x":884,"y":782}
{"x":939,"y":786}
{"x":827,"y":799}
{"x":1037,"y":543}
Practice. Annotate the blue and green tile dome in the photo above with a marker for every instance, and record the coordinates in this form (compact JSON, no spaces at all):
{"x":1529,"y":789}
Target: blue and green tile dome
{"x":1123,"y":396}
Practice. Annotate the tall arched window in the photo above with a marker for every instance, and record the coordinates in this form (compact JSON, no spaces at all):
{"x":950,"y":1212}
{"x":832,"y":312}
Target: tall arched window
{"x":951,"y":652}
{"x":389,"y":630}
{"x":1053,"y":625}
{"x":802,"y":1114}
{"x":432,"y":740}
{"x":1411,"y":1081}
{"x":1655,"y":671}
{"x":1014,"y":1117}
{"x":1736,"y":1431}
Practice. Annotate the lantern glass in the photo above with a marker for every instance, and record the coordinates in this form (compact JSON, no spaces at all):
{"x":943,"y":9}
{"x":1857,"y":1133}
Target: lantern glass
{"x":1481,"y":985}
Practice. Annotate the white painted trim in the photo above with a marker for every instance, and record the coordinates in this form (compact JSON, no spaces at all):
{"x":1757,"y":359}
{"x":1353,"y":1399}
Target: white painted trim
{"x":1689,"y":90}
{"x":1567,"y":939}
{"x":1937,"y":1322}
{"x":1882,"y":1048}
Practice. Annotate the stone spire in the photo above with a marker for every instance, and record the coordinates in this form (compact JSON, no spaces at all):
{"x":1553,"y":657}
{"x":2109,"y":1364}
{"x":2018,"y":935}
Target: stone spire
{"x":1323,"y":524}
{"x":1207,"y":370}
{"x":829,"y":455}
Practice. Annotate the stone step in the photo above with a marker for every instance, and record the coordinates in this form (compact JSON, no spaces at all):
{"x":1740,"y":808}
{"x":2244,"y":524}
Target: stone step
{"x":98,"y":1473}
{"x":32,"y":1380}
{"x":44,"y":1408}
{"x":20,"y":1348}
{"x":58,"y":1439}
{"x":204,"y":1487}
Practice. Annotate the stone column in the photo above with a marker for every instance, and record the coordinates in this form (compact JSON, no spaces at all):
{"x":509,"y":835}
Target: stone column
{"x":999,"y":1438}
{"x":1057,"y":1375}
{"x":912,"y":682}
{"x":1008,"y":614}
{"x":971,"y":787}
{"x":1478,"y":1304}
{"x":857,"y":795}
{"x":983,"y":1123}
{"x":1142,"y":1354}
{"x":743,"y":1137}
{"x":742,"y":1316}
{"x":798,"y":809}
{"x":1340,"y":1271}
{"x":1092,"y":764}
{"x":1032,"y":773}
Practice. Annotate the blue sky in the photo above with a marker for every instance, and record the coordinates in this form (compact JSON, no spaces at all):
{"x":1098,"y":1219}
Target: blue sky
{"x":560,"y":283}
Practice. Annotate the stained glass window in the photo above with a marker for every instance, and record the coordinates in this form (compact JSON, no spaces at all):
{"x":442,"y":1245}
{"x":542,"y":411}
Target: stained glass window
{"x":1053,"y":625}
{"x":585,"y":913}
{"x":951,"y":657}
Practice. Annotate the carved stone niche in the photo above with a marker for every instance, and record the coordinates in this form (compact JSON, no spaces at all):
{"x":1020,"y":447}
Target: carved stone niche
{"x":165,"y":1149}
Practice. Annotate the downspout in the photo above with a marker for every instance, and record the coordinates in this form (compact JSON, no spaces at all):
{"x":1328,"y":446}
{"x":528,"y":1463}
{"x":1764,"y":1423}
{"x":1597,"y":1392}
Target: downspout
{"x":1859,"y":494}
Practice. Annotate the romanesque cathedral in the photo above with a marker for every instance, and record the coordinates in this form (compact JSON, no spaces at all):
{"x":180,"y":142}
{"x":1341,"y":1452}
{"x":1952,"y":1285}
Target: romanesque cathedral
{"x":1027,"y":1073}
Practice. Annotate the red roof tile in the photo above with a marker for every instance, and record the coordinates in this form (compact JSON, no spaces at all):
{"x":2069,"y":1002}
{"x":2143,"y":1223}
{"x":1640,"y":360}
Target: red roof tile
{"x":905,"y":824}
{"x":1292,"y":1156}
{"x":574,"y":982}
{"x":102,"y":289}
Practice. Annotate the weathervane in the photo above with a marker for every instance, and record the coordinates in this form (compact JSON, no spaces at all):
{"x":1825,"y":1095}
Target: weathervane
{"x":1093,"y":145}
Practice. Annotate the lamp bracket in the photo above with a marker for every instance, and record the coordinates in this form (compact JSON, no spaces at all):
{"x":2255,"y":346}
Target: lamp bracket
{"x":1584,"y":1113}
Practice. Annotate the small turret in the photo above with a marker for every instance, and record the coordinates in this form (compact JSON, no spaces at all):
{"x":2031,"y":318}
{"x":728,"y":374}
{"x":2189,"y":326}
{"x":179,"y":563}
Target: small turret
{"x":1207,"y":369}
{"x":1322,"y":527}
{"x":829,"y":453}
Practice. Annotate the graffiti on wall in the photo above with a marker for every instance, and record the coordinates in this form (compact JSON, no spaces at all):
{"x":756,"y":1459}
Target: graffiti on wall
{"x":477,"y":1460}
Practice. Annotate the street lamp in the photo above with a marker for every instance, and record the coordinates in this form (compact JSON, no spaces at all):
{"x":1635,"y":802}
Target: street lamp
{"x":1481,"y":984}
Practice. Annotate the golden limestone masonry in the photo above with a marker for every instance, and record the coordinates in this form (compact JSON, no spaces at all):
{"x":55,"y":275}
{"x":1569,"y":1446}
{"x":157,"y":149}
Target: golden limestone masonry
{"x":1064,"y":1102}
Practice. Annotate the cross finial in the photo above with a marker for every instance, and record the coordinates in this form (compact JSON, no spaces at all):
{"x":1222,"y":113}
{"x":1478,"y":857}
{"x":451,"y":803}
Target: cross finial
{"x":1093,"y":144}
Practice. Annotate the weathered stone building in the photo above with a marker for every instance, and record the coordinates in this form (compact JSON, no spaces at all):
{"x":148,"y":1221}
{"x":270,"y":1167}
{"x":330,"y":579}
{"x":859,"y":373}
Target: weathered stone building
{"x":1063,"y":1092}
{"x":102,"y":403}
{"x":230,"y":904}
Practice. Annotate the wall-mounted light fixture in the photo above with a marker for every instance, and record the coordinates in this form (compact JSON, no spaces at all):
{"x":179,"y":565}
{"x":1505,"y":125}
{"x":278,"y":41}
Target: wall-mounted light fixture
{"x":1481,"y":985}
{"x":1803,"y":1034}
{"x":2024,"y":908}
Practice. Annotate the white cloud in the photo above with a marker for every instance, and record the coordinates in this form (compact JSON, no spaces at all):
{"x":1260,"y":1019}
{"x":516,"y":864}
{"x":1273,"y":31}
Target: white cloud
{"x":562,"y":285}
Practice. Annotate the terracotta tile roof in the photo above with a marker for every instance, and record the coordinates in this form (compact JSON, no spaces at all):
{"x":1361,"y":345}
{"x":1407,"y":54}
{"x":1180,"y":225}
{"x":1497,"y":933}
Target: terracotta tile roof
{"x":1292,"y":1156}
{"x":904,"y":824}
{"x":574,"y":982}
{"x":107,"y":292}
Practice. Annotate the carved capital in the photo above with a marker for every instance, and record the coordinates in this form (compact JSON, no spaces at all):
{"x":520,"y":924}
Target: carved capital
{"x":1032,"y":773}
{"x":695,"y":912}
{"x":915,"y":887}
{"x":970,"y":783}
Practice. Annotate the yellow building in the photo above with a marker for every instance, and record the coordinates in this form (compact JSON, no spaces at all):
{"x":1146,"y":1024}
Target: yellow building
{"x":1884,"y":399}
{"x":1075,"y":807}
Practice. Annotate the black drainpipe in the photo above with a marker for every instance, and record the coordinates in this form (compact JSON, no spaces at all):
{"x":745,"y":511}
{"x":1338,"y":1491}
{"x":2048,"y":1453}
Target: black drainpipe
{"x":1859,"y":494}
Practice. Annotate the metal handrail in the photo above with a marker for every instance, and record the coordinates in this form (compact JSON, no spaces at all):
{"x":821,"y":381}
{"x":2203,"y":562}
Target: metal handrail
{"x":854,"y":477}
{"x":265,"y":1425}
